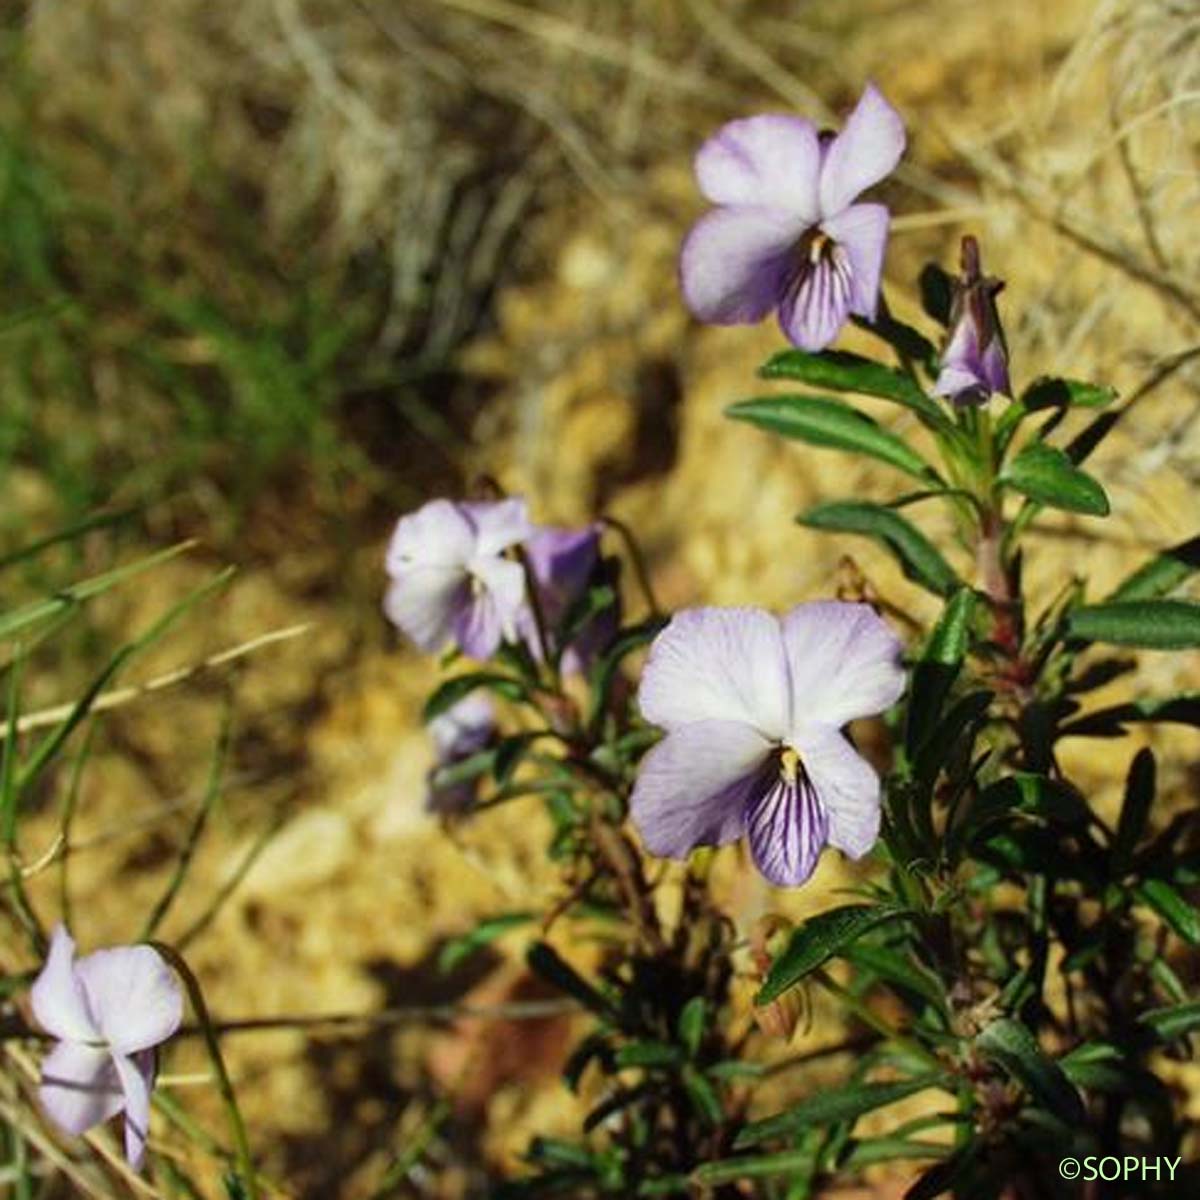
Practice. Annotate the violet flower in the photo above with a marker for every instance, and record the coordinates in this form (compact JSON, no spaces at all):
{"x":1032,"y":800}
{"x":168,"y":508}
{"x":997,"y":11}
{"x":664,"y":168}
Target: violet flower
{"x":787,"y":234}
{"x":450,"y":580}
{"x":461,"y":731}
{"x":975,"y":361}
{"x":563,"y":563}
{"x":108,"y":1010}
{"x":753,"y":706}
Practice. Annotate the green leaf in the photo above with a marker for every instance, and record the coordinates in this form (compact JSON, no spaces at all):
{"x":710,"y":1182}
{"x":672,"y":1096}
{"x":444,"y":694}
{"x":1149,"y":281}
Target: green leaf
{"x":908,"y":343}
{"x":1149,"y":624}
{"x":456,"y":950}
{"x":938,"y":668}
{"x":1020,"y":794}
{"x":819,"y":939}
{"x":1135,"y":809}
{"x":900,"y":972}
{"x":833,"y":1107}
{"x":1162,"y":574}
{"x":1045,"y":474}
{"x":757,"y":1166}
{"x":891,"y":1149}
{"x":918,"y":557}
{"x":1181,"y":916}
{"x":545,"y":961}
{"x":1110,"y":722}
{"x":1174,"y":1022}
{"x":451,"y":691}
{"x":824,"y":421}
{"x":648,"y":1054}
{"x":17,"y":620}
{"x":703,"y":1096}
{"x":1049,"y":392}
{"x":692,"y":1021}
{"x":845,"y":372}
{"x":1012,"y":1047}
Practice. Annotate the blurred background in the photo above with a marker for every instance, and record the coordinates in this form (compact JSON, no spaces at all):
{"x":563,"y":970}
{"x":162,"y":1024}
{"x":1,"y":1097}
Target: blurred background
{"x":274,"y":272}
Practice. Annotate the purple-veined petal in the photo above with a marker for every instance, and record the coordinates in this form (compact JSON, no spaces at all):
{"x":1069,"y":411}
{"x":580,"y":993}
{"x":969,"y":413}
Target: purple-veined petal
{"x":57,"y":996}
{"x":861,"y":230}
{"x":786,"y":826}
{"x":439,"y":533}
{"x":493,"y":612}
{"x":718,"y":664}
{"x":847,"y":786}
{"x":80,"y":1087}
{"x":844,"y":662}
{"x":478,"y":629}
{"x":137,"y":1079}
{"x":735,"y":262}
{"x":424,"y":601}
{"x":135,"y":996}
{"x":868,"y":148}
{"x":693,"y":787}
{"x":498,"y":524}
{"x":817,"y":299}
{"x":771,"y":161}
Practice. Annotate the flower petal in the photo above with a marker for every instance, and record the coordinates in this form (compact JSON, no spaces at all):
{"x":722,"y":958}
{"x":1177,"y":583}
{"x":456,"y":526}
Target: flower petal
{"x":735,"y":262}
{"x":79,"y":1087}
{"x":137,"y":1080}
{"x":786,"y":825}
{"x":772,"y":161}
{"x":498,"y":523}
{"x":438,"y":533}
{"x":847,"y":786}
{"x":562,"y":561}
{"x":817,"y":301}
{"x":861,"y":230}
{"x":58,"y":999}
{"x":494,"y":609}
{"x":693,"y":787}
{"x":718,"y":664}
{"x":136,"y":998}
{"x":424,"y":601}
{"x":844,"y":662}
{"x":867,"y":149}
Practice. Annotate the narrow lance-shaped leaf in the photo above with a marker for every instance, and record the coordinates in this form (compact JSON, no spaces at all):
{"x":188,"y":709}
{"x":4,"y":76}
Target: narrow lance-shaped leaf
{"x":828,"y":1108}
{"x":824,"y":421}
{"x":845,"y":372}
{"x":818,"y":940}
{"x":1045,"y":474}
{"x":1013,"y":1047}
{"x":938,"y":667}
{"x":1149,"y":624}
{"x":919,"y":559}
{"x":1135,"y":809}
{"x":451,"y":691}
{"x":1174,"y":1022}
{"x":1162,"y":574}
{"x":1181,"y":916}
{"x":1052,"y":392}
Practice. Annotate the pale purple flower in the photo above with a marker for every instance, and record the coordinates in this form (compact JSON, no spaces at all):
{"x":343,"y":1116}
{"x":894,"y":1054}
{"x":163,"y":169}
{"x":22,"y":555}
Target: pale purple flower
{"x":108,"y":1010}
{"x":753,"y":706}
{"x":462,"y":730}
{"x":450,"y":578}
{"x":975,"y":361}
{"x":787,"y":234}
{"x":563,"y":563}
